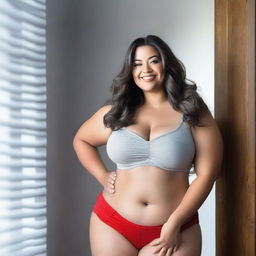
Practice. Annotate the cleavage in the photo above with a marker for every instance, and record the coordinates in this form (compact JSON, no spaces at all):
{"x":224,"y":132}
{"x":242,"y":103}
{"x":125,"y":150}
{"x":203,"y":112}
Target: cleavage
{"x":148,"y":130}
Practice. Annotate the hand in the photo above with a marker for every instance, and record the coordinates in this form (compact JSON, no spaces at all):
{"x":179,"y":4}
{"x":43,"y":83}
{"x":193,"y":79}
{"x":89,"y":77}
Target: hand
{"x":109,"y":182}
{"x":168,"y":242}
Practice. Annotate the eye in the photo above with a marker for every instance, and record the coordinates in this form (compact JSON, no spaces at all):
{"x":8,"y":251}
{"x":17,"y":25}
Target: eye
{"x":136,"y":64}
{"x":155,"y":61}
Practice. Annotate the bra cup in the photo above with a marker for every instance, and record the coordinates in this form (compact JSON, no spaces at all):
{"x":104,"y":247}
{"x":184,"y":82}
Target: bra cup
{"x":126,"y":149}
{"x":174,"y":150}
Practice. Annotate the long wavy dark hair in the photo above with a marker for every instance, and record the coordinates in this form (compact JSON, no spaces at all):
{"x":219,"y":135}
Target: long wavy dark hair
{"x":127,"y":96}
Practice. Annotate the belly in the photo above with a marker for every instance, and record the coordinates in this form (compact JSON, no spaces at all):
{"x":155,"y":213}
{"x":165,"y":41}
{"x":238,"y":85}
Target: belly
{"x":147,"y":195}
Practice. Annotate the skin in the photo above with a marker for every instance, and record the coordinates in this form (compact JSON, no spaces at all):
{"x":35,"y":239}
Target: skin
{"x":166,"y":197}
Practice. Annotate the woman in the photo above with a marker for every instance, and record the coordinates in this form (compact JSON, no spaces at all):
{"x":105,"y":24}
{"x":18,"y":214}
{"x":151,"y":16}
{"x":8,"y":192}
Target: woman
{"x":155,"y":127}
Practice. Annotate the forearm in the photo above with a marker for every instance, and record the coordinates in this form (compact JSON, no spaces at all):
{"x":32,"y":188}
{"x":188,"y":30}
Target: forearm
{"x":90,"y":159}
{"x":194,"y":197}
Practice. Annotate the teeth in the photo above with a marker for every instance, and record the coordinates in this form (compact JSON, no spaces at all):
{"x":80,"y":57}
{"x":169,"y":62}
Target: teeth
{"x":148,"y":78}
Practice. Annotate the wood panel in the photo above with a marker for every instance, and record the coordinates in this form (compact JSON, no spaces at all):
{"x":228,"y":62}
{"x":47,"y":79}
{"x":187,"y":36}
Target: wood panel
{"x":235,"y":114}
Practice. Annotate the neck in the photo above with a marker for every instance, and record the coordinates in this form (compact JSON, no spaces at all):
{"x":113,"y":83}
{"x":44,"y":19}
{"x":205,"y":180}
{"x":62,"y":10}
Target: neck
{"x":155,"y":99}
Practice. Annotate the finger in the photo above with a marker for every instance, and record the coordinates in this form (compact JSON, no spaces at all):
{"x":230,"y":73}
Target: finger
{"x":155,"y":242}
{"x":175,"y":249}
{"x":112,"y":177}
{"x":109,"y":188}
{"x":113,"y":174}
{"x":158,"y":249}
{"x":108,"y":185}
{"x":110,"y":180}
{"x":162,"y":251}
{"x":169,"y":252}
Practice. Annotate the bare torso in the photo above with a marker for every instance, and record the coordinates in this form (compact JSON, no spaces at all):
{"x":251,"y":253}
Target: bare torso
{"x":147,"y":195}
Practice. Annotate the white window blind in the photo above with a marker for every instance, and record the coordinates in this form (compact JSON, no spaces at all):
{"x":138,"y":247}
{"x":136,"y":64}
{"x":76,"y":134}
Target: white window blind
{"x":23,"y":127}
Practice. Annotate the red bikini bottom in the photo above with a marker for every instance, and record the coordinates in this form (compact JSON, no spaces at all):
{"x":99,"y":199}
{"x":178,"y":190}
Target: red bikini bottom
{"x":138,"y":235}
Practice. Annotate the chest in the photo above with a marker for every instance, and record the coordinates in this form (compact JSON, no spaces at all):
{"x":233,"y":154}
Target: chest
{"x":151,"y":124}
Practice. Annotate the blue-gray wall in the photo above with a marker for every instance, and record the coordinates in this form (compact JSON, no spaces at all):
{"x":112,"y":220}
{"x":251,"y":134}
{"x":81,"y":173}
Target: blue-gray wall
{"x":86,"y":43}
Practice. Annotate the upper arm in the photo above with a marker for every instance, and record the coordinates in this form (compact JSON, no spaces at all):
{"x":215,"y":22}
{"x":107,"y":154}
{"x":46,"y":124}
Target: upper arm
{"x":93,"y":130}
{"x":209,"y":147}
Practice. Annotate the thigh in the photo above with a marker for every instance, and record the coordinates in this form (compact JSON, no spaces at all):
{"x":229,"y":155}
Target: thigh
{"x":106,"y":241}
{"x":191,"y":243}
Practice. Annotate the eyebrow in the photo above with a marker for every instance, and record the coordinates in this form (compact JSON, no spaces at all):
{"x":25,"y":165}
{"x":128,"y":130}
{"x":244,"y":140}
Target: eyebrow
{"x":149,"y":57}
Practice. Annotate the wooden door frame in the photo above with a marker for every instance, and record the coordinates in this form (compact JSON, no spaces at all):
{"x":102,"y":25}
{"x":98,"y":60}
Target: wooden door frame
{"x":235,"y":115}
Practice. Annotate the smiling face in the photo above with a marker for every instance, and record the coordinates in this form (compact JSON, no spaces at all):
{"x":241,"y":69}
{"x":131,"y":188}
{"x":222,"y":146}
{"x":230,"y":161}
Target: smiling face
{"x":147,"y":69}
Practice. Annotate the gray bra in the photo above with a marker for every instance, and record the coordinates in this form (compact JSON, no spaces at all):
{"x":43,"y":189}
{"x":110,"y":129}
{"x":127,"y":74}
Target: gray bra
{"x":173,"y":150}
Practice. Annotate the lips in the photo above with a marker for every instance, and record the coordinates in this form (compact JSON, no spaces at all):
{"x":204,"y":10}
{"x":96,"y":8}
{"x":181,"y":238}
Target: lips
{"x":148,"y":78}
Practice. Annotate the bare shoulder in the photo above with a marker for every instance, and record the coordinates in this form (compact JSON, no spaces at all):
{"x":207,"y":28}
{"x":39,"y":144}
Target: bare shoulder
{"x":209,"y":146}
{"x":206,"y":119}
{"x":210,"y":125}
{"x":93,"y":130}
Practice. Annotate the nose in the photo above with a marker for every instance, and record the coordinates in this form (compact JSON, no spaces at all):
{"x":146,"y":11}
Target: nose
{"x":146,"y":68}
